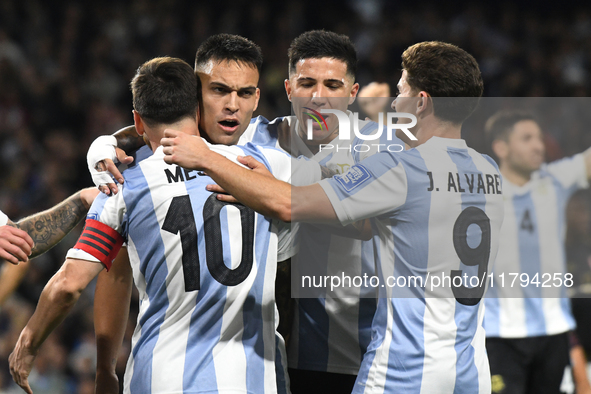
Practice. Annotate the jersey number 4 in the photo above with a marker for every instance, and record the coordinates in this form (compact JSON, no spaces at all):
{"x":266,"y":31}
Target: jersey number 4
{"x":179,"y":218}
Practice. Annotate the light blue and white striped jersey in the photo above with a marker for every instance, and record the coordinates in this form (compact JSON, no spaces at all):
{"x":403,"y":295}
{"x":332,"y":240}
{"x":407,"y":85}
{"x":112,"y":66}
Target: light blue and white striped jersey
{"x":262,"y":132}
{"x":532,"y":242}
{"x":205,"y":271}
{"x":331,"y":333}
{"x":429,"y":205}
{"x":3,"y":218}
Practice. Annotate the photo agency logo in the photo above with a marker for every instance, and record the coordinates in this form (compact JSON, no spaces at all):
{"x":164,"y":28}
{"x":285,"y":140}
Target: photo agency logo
{"x":349,"y":130}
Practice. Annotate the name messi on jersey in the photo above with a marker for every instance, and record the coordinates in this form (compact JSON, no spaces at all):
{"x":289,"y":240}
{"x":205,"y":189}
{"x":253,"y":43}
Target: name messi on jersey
{"x":180,"y":174}
{"x":469,"y":183}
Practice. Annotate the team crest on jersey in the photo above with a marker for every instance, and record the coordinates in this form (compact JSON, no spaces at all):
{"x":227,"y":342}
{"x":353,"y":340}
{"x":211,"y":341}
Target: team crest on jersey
{"x":92,"y":216}
{"x":353,"y":178}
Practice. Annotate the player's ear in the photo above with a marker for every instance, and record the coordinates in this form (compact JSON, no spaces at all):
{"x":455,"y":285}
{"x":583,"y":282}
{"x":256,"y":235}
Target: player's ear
{"x":139,"y":123}
{"x":257,"y":98}
{"x":501,"y":148}
{"x":424,"y":104}
{"x":353,"y":93}
{"x":287,"y":89}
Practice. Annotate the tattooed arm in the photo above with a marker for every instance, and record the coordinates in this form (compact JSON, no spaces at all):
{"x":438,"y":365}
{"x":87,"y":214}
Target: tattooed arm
{"x":47,"y":228}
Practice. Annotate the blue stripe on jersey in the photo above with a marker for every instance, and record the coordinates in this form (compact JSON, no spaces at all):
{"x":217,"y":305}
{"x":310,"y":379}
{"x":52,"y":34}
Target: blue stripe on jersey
{"x":466,"y":316}
{"x":529,"y":257}
{"x":142,"y":153}
{"x":266,"y":132}
{"x":144,"y":222}
{"x":250,"y":149}
{"x":199,"y":359}
{"x":253,"y":314}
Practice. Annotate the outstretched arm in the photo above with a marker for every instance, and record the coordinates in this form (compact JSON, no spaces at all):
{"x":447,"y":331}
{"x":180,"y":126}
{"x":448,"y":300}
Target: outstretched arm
{"x":110,"y":320}
{"x":49,"y":227}
{"x":264,"y":194}
{"x":58,"y":297}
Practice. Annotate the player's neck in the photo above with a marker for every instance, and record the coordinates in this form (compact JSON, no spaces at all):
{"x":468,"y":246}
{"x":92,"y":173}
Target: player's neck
{"x":518,"y":178}
{"x":155,"y":134}
{"x":432,"y":127}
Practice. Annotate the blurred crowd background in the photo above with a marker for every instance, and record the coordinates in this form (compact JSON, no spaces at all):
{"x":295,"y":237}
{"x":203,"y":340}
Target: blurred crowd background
{"x":65,"y":68}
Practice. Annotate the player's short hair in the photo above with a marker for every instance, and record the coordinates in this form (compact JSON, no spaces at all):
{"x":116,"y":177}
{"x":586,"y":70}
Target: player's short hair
{"x":445,"y":70}
{"x":164,"y":91}
{"x":316,"y":44}
{"x":500,"y":125}
{"x":229,"y":47}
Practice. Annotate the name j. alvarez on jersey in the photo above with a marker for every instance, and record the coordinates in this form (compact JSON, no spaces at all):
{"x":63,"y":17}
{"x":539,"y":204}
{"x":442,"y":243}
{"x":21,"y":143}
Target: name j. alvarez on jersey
{"x":465,"y":183}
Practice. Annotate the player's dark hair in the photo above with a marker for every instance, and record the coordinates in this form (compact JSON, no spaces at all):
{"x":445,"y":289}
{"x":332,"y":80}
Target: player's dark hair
{"x":445,"y":70}
{"x":316,"y":44}
{"x":500,"y":125}
{"x":229,"y":47}
{"x":164,"y":91}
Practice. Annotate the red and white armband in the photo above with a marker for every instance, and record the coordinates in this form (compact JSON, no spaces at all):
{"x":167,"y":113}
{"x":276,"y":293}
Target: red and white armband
{"x":100,"y":241}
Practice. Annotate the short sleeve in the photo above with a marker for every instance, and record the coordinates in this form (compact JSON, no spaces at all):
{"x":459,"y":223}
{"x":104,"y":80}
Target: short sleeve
{"x":101,"y":237}
{"x":570,"y":172}
{"x":376,"y":186}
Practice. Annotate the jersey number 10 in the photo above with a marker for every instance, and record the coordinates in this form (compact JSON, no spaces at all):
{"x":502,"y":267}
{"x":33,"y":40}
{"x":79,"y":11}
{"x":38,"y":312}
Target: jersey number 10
{"x":179,"y":218}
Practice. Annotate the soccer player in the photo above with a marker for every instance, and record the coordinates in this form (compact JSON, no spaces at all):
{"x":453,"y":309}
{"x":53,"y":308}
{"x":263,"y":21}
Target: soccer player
{"x":432,"y":212}
{"x":322,"y":67}
{"x":207,"y":314}
{"x":228,"y":67}
{"x":527,"y":336}
{"x":328,"y":335}
{"x":35,"y":235}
